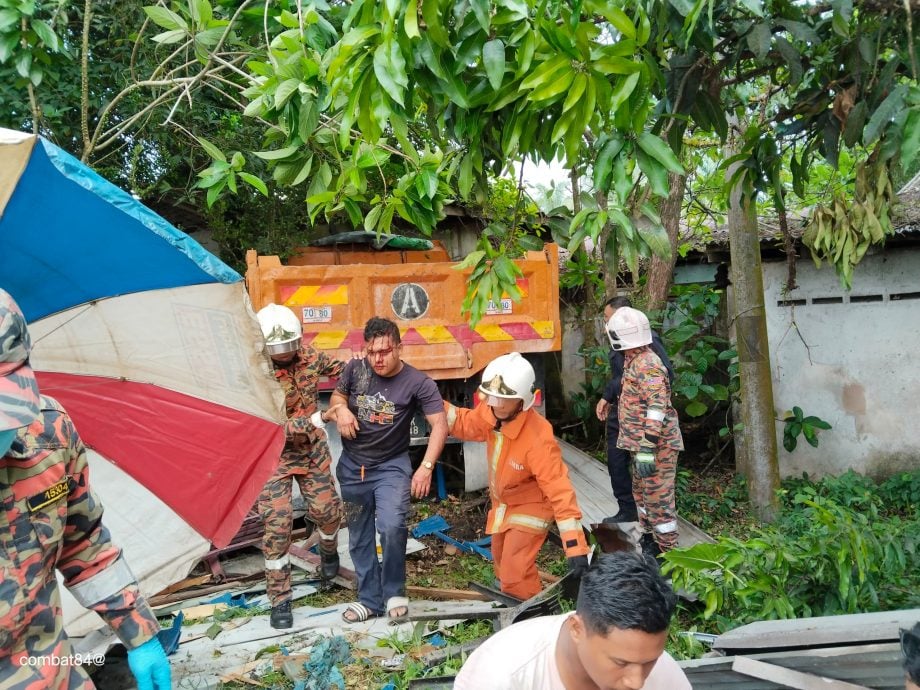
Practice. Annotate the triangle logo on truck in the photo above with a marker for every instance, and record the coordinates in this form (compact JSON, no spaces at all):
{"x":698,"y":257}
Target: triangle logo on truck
{"x":409,"y":301}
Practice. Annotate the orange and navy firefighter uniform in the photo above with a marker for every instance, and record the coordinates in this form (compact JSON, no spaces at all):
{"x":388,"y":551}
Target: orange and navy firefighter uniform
{"x":648,"y":423}
{"x":50,"y":521}
{"x":529,"y":487}
{"x":306,"y":460}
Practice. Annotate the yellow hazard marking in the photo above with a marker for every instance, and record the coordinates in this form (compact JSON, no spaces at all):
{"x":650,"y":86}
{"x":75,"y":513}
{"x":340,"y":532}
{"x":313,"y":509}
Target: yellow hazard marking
{"x":329,"y":340}
{"x":435,"y":334}
{"x":493,"y":332}
{"x":546,"y":329}
{"x":317,"y":296}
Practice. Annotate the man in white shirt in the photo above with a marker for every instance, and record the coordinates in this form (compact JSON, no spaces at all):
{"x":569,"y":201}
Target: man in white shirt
{"x":614,"y":640}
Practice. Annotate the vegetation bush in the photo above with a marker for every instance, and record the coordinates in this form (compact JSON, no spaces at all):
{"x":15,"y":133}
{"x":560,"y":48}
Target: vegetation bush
{"x":843,"y":545}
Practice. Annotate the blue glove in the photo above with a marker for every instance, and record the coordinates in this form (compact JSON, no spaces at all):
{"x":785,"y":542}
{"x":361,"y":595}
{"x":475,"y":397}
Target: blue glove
{"x":645,"y":464}
{"x":150,"y":666}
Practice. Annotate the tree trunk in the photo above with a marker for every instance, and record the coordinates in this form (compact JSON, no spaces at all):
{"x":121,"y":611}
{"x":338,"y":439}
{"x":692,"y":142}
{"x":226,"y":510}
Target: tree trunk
{"x":757,"y":456}
{"x":661,"y":271}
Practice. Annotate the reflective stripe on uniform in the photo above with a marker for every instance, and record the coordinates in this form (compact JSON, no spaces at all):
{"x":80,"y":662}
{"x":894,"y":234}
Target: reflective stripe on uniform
{"x":642,"y":510}
{"x":451,"y":416}
{"x":529,"y":521}
{"x":103,"y":584}
{"x":499,"y":516}
{"x":655,"y":415}
{"x":567,"y":525}
{"x":666,"y":527}
{"x":327,"y":537}
{"x":277,"y":563}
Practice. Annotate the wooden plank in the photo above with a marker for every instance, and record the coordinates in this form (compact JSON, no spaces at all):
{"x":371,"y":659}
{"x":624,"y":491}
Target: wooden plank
{"x":788,"y":677}
{"x":445,"y":593}
{"x":595,"y":497}
{"x":875,"y":665}
{"x":882,"y":626}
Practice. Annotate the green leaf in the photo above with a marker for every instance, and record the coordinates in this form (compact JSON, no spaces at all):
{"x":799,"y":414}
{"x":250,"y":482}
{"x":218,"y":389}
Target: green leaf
{"x":656,"y":173}
{"x":8,"y":19}
{"x":620,"y":21}
{"x":753,"y":6}
{"x":46,"y":35}
{"x":465,"y":179}
{"x":884,"y":114}
{"x":285,"y":90}
{"x":410,"y":22}
{"x":431,"y":13}
{"x":481,"y":10}
{"x":254,"y":182}
{"x":910,"y":146}
{"x":370,"y":220}
{"x":656,"y":237}
{"x":493,"y":59}
{"x":165,"y":18}
{"x":603,"y":164}
{"x":685,"y":7}
{"x":23,"y":64}
{"x":277,"y":154}
{"x":759,"y":39}
{"x":660,"y":151}
{"x":169,"y":37}
{"x":390,"y":69}
{"x":623,"y":90}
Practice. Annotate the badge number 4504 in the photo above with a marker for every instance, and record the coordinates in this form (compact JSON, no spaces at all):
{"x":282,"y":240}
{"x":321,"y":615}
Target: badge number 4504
{"x":317,"y":314}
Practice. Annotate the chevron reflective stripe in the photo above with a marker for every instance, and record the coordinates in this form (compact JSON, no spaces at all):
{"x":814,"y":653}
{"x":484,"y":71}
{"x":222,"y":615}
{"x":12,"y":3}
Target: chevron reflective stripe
{"x":529,"y":521}
{"x":277,"y":563}
{"x":436,"y":335}
{"x":666,"y":527}
{"x":313,"y":295}
{"x":655,"y":415}
{"x":567,"y":525}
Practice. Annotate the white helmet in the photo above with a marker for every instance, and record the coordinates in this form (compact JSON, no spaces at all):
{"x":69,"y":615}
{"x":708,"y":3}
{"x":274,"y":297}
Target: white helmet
{"x":509,"y":376}
{"x":282,"y":330}
{"x":628,"y":328}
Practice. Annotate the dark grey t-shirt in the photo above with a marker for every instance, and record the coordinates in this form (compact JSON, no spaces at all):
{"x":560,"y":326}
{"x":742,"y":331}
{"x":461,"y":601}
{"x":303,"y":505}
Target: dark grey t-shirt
{"x":385,"y":408}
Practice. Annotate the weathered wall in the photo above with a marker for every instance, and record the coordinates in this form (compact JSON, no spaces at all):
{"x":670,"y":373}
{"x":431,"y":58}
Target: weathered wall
{"x":852,"y":359}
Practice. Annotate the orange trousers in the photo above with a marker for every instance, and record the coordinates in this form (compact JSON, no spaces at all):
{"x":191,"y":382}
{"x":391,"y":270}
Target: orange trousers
{"x":514,"y":554}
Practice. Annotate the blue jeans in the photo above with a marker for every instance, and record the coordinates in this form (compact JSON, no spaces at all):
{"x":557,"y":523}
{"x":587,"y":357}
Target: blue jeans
{"x":377,"y":503}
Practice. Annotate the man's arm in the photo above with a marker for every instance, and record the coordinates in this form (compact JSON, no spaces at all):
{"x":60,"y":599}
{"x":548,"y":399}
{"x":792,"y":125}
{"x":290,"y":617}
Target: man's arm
{"x":549,"y":469}
{"x":345,"y":420}
{"x":469,"y":425}
{"x":421,"y":480}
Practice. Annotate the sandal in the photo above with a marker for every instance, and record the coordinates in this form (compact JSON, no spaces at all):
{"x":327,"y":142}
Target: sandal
{"x":397,"y":609}
{"x":359,"y":613}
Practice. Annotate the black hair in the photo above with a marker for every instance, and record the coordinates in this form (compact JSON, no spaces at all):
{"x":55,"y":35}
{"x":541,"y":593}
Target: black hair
{"x":617,"y":302}
{"x":625,"y":590}
{"x":910,"y":645}
{"x":378,"y":327}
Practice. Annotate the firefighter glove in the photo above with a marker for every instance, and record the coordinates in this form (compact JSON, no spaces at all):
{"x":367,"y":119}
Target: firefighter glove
{"x":150,"y":666}
{"x":645,"y":463}
{"x":578,"y":566}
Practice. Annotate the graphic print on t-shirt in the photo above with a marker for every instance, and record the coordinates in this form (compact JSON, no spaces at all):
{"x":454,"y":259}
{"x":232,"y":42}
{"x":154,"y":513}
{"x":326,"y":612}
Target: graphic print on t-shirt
{"x":375,"y":409}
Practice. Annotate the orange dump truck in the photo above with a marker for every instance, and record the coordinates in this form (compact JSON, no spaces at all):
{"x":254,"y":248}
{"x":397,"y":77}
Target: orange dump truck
{"x":334,"y":290}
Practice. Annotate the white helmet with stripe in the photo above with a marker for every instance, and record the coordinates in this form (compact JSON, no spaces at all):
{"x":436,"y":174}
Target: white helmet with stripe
{"x":628,"y":328}
{"x":510,"y":376}
{"x":281,"y":328}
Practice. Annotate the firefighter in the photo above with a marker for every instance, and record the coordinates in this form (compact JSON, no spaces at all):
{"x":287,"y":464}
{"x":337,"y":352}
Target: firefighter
{"x":50,"y":520}
{"x":649,"y":428}
{"x":304,"y":459}
{"x":528,"y":480}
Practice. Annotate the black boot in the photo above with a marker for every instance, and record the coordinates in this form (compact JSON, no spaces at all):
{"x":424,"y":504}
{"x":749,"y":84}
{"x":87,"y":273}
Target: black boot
{"x":328,"y":565}
{"x":624,"y":515}
{"x":282,"y":617}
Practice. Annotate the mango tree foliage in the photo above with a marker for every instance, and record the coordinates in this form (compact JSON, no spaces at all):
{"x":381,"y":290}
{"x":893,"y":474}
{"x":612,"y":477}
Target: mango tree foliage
{"x":385,"y":110}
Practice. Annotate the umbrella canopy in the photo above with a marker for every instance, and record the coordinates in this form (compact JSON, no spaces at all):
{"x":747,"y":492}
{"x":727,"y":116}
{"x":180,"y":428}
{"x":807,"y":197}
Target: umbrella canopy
{"x":151,"y":345}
